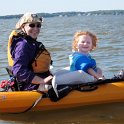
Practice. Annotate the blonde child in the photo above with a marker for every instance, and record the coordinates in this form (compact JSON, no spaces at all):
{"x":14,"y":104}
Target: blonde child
{"x":83,"y":67}
{"x":80,"y":59}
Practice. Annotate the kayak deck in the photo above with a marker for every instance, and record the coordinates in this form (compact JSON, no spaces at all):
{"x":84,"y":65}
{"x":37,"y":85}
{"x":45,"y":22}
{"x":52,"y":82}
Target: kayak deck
{"x":15,"y":102}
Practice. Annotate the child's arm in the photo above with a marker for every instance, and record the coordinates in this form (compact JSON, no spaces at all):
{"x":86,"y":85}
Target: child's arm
{"x":93,"y":73}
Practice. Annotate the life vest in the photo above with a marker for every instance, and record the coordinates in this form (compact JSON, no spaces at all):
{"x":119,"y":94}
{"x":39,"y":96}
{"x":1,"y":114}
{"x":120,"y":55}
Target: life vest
{"x":41,"y":62}
{"x":86,"y":62}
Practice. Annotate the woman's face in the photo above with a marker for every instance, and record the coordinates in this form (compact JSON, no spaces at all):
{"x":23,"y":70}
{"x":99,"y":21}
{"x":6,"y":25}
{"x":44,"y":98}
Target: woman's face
{"x":84,"y":44}
{"x":32,"y":29}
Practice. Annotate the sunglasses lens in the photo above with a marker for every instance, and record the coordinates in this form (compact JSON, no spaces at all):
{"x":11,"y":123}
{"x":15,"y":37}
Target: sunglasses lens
{"x":32,"y":25}
{"x":39,"y":25}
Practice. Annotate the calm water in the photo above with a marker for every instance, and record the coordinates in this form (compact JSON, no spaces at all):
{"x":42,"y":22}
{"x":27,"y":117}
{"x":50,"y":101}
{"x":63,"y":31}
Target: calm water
{"x":57,"y":34}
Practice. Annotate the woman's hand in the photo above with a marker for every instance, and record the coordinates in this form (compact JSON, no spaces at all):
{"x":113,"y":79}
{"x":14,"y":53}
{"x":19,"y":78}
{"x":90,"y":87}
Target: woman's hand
{"x":39,"y":80}
{"x":48,"y":79}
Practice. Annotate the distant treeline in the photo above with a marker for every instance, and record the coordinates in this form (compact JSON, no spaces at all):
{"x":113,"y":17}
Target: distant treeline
{"x":100,"y":12}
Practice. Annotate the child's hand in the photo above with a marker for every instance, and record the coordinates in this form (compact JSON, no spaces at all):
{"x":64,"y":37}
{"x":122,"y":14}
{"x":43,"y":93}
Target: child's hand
{"x":101,"y":78}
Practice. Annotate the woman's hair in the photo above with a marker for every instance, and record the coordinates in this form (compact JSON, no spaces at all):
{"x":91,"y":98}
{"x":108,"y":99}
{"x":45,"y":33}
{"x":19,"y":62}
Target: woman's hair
{"x":80,"y":33}
{"x":28,"y":18}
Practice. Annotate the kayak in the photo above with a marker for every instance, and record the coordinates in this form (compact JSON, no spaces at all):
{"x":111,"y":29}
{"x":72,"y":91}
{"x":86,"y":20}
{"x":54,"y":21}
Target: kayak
{"x":20,"y":101}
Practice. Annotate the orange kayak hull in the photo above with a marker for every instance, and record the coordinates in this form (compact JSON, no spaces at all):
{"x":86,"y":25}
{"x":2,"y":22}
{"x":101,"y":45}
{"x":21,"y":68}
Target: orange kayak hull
{"x":15,"y":102}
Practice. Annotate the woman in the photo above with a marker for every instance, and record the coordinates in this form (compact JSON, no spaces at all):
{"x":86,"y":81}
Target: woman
{"x":29,"y":59}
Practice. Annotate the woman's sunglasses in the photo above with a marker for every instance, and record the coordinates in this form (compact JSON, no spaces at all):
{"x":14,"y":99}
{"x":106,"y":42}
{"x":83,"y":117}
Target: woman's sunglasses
{"x":32,"y":25}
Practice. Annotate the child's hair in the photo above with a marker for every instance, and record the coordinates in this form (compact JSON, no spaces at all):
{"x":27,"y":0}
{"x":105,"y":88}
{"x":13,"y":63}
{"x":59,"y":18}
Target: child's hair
{"x":80,"y":33}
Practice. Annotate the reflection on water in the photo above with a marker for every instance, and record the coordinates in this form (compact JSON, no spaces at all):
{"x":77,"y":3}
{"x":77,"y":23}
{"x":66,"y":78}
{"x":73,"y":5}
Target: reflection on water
{"x":95,"y":114}
{"x":57,"y":34}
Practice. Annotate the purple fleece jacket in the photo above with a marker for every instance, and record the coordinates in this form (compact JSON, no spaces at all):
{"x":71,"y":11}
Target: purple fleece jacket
{"x":23,"y":53}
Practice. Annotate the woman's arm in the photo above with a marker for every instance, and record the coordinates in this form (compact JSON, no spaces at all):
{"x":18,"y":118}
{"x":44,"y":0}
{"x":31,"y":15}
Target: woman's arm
{"x":22,"y":55}
{"x":38,"y":80}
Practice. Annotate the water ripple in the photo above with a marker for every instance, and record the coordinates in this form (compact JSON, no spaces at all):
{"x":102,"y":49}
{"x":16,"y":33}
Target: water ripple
{"x":57,"y":34}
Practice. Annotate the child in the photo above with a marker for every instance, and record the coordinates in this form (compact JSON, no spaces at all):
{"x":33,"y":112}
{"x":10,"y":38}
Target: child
{"x":82,"y":66}
{"x":83,"y":44}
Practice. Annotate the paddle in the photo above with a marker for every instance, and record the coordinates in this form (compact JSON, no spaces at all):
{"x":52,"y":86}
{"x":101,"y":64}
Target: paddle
{"x":63,"y":90}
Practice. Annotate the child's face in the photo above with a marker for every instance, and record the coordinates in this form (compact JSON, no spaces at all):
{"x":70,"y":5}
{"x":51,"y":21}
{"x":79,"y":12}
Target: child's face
{"x":85,"y":44}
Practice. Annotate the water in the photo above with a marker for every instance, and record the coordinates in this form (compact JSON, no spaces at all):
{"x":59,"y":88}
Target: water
{"x":57,"y":34}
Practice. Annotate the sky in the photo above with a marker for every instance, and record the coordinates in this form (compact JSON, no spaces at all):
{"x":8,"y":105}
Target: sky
{"x":13,"y":7}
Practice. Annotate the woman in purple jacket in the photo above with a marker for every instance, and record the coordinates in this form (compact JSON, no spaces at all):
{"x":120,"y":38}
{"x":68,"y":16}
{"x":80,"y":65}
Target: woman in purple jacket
{"x":29,"y":59}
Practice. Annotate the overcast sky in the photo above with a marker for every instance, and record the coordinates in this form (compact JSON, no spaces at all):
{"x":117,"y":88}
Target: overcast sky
{"x":12,"y":7}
